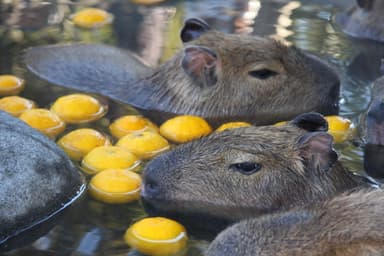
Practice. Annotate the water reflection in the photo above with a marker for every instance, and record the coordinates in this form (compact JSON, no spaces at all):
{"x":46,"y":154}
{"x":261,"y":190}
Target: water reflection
{"x":284,"y":21}
{"x":28,"y":15}
{"x":219,"y":14}
{"x":153,"y":33}
{"x":244,"y":24}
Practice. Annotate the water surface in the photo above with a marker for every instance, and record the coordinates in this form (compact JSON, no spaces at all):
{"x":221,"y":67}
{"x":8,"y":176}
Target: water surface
{"x":152,"y":32}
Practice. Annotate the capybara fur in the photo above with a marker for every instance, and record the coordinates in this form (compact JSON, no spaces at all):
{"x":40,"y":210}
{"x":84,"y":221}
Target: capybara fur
{"x":372,"y":129}
{"x":247,"y":172}
{"x":346,"y":225}
{"x":373,"y":119}
{"x":220,"y":77}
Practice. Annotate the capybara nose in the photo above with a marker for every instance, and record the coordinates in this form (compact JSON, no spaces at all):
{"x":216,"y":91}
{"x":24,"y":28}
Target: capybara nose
{"x":150,"y":188}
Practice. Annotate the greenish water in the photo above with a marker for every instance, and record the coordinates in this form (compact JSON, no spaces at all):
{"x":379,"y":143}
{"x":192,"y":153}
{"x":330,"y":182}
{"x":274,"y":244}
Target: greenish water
{"x":93,"y":228}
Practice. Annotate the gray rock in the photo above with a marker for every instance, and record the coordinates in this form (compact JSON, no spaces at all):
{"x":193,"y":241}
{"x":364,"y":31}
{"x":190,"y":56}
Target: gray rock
{"x":37,"y":179}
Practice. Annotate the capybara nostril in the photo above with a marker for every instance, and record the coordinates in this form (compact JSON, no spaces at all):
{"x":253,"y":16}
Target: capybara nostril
{"x":150,"y":188}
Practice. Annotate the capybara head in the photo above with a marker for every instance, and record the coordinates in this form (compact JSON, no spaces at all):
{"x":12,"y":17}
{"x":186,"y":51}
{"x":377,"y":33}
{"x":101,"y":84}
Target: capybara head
{"x":236,"y":77}
{"x":246,"y":172}
{"x":365,"y":20}
{"x":221,"y":77}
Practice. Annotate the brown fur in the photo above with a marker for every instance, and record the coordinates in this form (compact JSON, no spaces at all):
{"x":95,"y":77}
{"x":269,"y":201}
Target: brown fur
{"x":302,"y":85}
{"x":218,"y":87}
{"x":347,"y":225}
{"x":372,"y":131}
{"x":197,"y":178}
{"x":364,"y":20}
{"x":373,"y":120}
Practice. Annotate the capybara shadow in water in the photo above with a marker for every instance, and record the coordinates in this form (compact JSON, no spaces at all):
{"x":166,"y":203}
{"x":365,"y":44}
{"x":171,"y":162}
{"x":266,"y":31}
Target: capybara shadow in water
{"x":221,"y":77}
{"x":347,"y":225}
{"x":373,"y":131}
{"x":246,"y":172}
{"x":364,"y":20}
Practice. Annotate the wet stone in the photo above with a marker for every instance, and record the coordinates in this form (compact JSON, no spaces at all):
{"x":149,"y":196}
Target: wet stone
{"x":37,"y":179}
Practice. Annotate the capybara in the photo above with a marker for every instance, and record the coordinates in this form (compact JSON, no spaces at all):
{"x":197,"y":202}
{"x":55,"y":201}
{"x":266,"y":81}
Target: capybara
{"x":346,"y":225}
{"x":221,"y":77}
{"x":247,"y":172}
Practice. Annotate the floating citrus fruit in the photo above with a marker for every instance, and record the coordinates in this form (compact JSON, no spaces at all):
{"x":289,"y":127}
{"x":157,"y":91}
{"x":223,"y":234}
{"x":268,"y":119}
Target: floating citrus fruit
{"x":80,"y":142}
{"x":340,"y":128}
{"x":157,"y":236}
{"x":338,"y":123}
{"x":145,"y":145}
{"x":43,"y":120}
{"x":147,"y":2}
{"x":16,"y":105}
{"x":185,"y":128}
{"x":10,"y":85}
{"x":281,"y":123}
{"x":92,"y":18}
{"x":130,"y":123}
{"x":109,"y":157}
{"x":115,"y":186}
{"x":78,"y":108}
{"x":232,"y":125}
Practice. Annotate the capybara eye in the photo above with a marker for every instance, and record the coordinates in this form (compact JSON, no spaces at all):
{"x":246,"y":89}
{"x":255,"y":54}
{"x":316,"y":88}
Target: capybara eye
{"x":262,"y":73}
{"x":246,"y":168}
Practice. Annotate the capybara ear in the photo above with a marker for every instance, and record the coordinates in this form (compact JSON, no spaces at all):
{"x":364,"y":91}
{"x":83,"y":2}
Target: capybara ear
{"x":200,"y":64}
{"x":316,"y":149}
{"x":365,"y":4}
{"x":192,"y":29}
{"x":311,"y":122}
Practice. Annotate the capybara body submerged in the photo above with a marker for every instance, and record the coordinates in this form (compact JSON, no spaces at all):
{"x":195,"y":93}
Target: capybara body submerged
{"x":221,"y":77}
{"x":372,"y":129}
{"x":347,"y":225}
{"x":373,"y":119}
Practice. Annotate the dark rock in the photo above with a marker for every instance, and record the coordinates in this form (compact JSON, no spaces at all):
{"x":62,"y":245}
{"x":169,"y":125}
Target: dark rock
{"x":37,"y":179}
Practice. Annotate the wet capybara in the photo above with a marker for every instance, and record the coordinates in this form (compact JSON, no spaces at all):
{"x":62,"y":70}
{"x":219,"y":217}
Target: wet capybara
{"x":347,"y":225}
{"x":221,"y":77}
{"x":246,"y":172}
{"x":373,"y":120}
{"x":373,"y":131}
{"x":365,"y":20}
